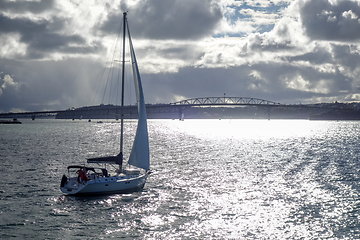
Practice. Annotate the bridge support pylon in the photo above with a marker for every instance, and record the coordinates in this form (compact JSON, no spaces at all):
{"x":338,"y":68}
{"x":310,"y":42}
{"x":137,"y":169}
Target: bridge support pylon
{"x":181,"y":115}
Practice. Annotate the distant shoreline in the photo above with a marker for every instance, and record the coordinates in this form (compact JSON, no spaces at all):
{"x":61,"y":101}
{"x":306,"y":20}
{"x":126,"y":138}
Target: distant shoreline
{"x":334,"y":111}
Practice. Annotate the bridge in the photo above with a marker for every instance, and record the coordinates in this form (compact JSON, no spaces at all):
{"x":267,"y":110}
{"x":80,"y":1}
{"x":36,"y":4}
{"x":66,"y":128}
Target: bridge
{"x":216,"y":101}
{"x":32,"y":115}
{"x":172,"y":110}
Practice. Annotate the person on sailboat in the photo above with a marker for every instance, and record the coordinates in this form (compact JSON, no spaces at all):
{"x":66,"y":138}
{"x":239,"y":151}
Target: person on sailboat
{"x":82,"y":175}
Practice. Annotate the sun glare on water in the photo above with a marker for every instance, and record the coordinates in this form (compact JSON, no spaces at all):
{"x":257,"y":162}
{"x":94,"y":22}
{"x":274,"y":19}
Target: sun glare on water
{"x":248,"y":129}
{"x":244,"y":176}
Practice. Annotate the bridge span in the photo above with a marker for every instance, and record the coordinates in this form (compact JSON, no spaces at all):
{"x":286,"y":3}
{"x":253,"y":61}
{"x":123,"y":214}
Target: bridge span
{"x":171,"y":110}
{"x":213,"y":101}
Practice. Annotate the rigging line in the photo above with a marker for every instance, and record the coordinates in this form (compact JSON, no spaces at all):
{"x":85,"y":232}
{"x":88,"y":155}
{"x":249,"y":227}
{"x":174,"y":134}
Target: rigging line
{"x":98,"y":86}
{"x":111,"y":72}
{"x":110,"y":79}
{"x":110,"y":61}
{"x":117,"y":88}
{"x":76,"y":6}
{"x":116,"y":80}
{"x":102,"y":101}
{"x":129,"y":81}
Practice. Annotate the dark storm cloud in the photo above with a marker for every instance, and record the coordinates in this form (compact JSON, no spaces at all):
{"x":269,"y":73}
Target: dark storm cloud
{"x":26,"y":6}
{"x":336,"y":55}
{"x":180,"y":52}
{"x":163,"y":19}
{"x":42,"y":37}
{"x":344,"y":56}
{"x":49,"y":85}
{"x":332,"y":22}
{"x":318,"y":56}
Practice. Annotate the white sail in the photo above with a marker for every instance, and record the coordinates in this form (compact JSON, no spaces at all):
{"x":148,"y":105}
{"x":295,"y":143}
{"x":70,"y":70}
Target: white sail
{"x":139,"y":155}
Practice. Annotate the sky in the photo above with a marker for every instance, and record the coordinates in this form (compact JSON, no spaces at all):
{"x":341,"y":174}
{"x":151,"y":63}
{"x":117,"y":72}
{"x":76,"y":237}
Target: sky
{"x":53,"y":53}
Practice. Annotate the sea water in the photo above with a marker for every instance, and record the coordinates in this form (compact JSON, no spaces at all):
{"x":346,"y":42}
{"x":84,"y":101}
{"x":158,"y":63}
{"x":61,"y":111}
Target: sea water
{"x":218,"y":179}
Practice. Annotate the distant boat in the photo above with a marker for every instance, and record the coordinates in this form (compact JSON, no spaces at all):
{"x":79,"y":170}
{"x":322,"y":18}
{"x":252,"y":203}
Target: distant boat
{"x":14,"y":121}
{"x":88,"y":180}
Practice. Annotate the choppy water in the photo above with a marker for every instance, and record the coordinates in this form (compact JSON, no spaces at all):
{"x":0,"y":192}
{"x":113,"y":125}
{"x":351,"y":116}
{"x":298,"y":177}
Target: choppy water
{"x":240,"y":179}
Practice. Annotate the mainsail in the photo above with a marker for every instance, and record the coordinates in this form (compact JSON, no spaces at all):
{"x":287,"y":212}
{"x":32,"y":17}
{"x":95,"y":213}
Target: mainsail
{"x":139,"y":155}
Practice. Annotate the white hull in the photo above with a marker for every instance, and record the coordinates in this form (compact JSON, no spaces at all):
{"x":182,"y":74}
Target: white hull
{"x":105,"y":185}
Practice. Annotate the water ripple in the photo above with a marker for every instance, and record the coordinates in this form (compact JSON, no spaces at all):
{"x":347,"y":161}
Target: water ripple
{"x":237,"y":179}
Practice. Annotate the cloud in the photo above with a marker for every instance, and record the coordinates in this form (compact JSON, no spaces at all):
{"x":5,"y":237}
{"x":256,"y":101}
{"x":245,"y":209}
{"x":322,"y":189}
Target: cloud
{"x":264,"y":3}
{"x":41,"y":38}
{"x":53,"y":52}
{"x":9,"y":82}
{"x":331,"y":20}
{"x":163,"y":19}
{"x":319,"y":55}
{"x":26,"y":6}
{"x":50,"y":85}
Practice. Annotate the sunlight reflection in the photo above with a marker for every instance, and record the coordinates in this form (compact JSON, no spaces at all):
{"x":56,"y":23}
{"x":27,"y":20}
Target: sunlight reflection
{"x":153,"y":220}
{"x":248,"y":129}
{"x":234,"y":179}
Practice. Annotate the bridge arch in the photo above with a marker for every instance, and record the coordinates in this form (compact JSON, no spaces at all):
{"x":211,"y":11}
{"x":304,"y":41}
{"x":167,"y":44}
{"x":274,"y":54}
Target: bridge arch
{"x":224,"y":101}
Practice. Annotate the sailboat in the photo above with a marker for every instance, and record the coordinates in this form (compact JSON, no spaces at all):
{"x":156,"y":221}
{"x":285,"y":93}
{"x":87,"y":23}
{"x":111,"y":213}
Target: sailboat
{"x":88,"y":180}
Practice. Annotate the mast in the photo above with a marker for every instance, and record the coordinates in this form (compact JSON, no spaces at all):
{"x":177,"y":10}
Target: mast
{"x":122,"y":91}
{"x":139,"y":154}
